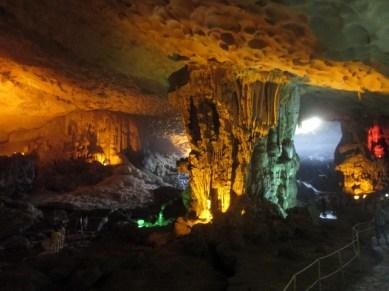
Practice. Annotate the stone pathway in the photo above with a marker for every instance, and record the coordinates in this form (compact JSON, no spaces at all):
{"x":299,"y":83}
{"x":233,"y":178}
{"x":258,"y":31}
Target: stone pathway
{"x":378,"y":279}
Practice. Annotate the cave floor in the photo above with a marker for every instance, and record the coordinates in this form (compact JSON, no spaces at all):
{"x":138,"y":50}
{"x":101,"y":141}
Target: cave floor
{"x":225,"y":255}
{"x":377,"y":279}
{"x":126,"y":258}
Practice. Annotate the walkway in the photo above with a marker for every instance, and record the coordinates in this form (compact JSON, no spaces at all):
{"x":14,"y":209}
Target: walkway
{"x":378,"y":279}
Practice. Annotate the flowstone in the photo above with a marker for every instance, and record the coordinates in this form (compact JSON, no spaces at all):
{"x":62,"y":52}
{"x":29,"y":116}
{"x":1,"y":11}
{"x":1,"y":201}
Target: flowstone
{"x":241,"y":135}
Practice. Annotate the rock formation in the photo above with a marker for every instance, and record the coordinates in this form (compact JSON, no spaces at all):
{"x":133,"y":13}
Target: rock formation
{"x":241,"y":136}
{"x":102,"y":136}
{"x":17,"y":174}
{"x":94,"y":135}
{"x":90,"y":80}
{"x":363,"y":171}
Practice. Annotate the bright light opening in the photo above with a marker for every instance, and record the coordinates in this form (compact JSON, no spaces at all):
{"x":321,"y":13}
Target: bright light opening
{"x":309,"y":125}
{"x":387,"y":195}
{"x":329,"y":215}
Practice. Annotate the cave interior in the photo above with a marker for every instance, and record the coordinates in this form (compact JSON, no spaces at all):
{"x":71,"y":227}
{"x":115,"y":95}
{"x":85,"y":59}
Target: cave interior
{"x":188,"y":144}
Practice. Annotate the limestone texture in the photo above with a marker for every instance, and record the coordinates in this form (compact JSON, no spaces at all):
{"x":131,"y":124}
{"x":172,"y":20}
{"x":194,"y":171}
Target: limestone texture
{"x":17,"y":174}
{"x":62,"y":56}
{"x":241,"y":136}
{"x":93,"y":135}
{"x":362,"y":172}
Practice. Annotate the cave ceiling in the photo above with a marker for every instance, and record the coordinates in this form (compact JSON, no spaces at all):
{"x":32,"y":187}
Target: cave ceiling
{"x":65,"y":55}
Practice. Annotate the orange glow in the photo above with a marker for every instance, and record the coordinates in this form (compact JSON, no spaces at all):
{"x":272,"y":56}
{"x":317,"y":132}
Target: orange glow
{"x":30,"y":96}
{"x":201,"y":193}
{"x":106,"y":160}
{"x":100,"y":157}
{"x":224,"y":196}
{"x":171,"y":36}
{"x":361,"y":175}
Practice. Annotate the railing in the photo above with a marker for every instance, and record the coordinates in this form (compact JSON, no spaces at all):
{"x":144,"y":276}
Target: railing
{"x":337,"y":257}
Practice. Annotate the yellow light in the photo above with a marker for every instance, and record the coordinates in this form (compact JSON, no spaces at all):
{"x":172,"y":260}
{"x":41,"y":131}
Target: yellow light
{"x":360,"y":175}
{"x":101,"y":158}
{"x":224,"y":198}
{"x":364,"y":196}
{"x":243,"y":212}
{"x":356,"y":197}
{"x":205,"y":217}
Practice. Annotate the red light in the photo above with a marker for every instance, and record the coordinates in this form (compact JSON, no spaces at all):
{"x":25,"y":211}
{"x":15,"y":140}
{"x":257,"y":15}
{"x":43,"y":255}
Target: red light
{"x":376,"y":141}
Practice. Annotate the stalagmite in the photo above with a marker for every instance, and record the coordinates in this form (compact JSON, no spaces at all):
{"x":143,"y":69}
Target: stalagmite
{"x":241,"y":134}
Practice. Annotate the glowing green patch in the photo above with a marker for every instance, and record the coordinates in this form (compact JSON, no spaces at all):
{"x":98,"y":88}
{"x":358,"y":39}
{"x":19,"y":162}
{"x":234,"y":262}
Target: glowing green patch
{"x":159,"y":222}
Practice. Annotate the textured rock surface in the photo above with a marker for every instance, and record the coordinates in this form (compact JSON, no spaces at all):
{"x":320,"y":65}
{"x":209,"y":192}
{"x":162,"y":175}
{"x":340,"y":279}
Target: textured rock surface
{"x":241,"y":136}
{"x":127,"y":188}
{"x":361,"y":33}
{"x":17,"y":174}
{"x":362,"y":172}
{"x":16,"y":217}
{"x":165,"y":167}
{"x":93,"y":135}
{"x":64,"y":56}
{"x":102,"y":136}
{"x":117,"y":56}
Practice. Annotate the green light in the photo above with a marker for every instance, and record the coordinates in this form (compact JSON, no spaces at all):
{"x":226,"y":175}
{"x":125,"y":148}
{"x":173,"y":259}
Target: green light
{"x":141,"y":223}
{"x":159,"y":222}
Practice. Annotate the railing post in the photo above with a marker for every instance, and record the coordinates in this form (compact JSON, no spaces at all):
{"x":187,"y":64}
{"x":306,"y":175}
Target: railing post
{"x":341,"y":266}
{"x":295,"y":283}
{"x":358,"y":249}
{"x":319,"y":273}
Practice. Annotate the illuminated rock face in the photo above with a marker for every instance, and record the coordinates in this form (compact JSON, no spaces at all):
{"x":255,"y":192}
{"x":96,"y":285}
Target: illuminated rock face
{"x":363,"y":171}
{"x":93,"y":135}
{"x":57,"y":57}
{"x":376,"y":141}
{"x":241,"y":136}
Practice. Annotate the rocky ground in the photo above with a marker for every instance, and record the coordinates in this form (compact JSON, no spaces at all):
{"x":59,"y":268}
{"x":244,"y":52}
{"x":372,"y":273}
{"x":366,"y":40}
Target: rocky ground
{"x":377,"y":279}
{"x":255,"y":250}
{"x":250,"y":252}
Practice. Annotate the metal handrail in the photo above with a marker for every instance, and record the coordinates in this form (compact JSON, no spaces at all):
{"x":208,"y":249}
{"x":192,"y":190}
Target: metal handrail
{"x":355,"y":244}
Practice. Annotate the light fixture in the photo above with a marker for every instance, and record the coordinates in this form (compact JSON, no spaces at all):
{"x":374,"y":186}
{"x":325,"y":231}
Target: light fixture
{"x":356,"y":197}
{"x":309,"y":125}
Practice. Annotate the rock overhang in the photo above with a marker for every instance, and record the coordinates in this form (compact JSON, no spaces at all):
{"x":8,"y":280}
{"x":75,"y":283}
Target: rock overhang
{"x":118,"y":55}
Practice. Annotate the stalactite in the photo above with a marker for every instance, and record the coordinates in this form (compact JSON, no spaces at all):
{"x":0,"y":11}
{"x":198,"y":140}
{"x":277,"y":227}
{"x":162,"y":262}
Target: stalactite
{"x":90,"y":135}
{"x":243,"y":111}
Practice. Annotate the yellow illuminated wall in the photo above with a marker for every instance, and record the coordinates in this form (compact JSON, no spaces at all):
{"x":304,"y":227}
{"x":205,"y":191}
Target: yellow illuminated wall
{"x":91,"y":135}
{"x":361,"y":175}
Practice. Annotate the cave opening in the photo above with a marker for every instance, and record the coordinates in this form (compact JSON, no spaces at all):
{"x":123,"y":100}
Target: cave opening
{"x":316,"y":141}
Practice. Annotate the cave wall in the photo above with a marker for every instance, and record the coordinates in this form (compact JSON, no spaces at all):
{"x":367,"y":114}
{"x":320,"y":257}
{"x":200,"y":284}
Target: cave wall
{"x":17,"y":174}
{"x":362,"y":172}
{"x":90,"y":135}
{"x":241,"y":137}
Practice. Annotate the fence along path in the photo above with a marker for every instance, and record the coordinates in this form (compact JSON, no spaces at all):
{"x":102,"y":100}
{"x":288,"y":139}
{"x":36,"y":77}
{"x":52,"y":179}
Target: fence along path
{"x":339,"y":260}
